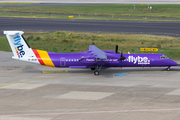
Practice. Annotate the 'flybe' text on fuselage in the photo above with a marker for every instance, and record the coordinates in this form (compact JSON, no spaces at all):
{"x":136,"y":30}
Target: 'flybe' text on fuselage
{"x":138,"y":60}
{"x":19,"y":49}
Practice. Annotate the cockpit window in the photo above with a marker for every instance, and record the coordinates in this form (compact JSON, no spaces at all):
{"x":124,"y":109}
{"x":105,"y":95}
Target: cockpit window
{"x":164,"y":57}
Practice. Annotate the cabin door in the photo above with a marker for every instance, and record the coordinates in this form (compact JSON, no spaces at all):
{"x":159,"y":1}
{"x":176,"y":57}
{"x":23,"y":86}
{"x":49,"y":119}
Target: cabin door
{"x":62,"y":61}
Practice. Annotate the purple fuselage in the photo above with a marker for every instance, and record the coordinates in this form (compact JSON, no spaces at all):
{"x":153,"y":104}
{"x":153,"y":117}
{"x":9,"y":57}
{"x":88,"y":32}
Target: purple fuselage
{"x":84,"y":60}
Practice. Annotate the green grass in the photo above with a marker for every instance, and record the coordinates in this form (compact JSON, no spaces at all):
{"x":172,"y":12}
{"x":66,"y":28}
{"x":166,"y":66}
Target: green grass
{"x":15,"y":3}
{"x":31,"y":16}
{"x":159,"y":10}
{"x":76,"y":42}
{"x":77,"y":17}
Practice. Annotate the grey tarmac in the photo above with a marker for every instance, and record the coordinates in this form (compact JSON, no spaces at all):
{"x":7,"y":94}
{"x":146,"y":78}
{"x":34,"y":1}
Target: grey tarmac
{"x":96,"y":26}
{"x":141,"y":94}
{"x":99,"y":1}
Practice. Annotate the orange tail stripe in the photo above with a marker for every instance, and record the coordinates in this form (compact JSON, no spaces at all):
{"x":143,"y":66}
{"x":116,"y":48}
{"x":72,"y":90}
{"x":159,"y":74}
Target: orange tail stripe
{"x":38,"y":57}
{"x":45,"y":58}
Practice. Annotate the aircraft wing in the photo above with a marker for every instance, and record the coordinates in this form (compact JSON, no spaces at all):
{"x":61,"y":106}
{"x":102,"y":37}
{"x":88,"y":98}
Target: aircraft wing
{"x":96,"y":52}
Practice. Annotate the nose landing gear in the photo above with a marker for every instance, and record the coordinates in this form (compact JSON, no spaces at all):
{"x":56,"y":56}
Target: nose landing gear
{"x":168,"y":68}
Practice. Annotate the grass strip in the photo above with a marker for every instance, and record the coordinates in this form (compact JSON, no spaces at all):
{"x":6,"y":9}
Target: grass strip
{"x":79,"y":17}
{"x":15,"y":3}
{"x":157,"y":11}
{"x":71,"y":42}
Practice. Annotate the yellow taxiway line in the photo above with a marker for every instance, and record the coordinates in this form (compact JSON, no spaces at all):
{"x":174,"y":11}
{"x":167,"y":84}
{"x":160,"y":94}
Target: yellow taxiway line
{"x":61,"y":71}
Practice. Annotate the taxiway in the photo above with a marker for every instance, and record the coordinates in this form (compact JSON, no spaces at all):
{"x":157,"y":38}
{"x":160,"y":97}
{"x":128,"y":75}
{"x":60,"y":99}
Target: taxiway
{"x":105,"y":26}
{"x":143,"y":93}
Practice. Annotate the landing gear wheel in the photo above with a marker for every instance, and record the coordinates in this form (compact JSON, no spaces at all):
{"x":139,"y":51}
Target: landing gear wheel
{"x":168,"y":69}
{"x":96,"y":72}
{"x":93,"y":68}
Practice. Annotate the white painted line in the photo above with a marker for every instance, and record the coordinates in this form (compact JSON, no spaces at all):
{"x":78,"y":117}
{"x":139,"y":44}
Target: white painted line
{"x":81,"y":95}
{"x":22,"y":118}
{"x":23,"y":86}
{"x":175,"y":92}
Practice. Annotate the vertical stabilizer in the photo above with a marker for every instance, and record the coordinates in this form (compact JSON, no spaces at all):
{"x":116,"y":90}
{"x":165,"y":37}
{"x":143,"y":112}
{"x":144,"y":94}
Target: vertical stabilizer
{"x":21,"y":50}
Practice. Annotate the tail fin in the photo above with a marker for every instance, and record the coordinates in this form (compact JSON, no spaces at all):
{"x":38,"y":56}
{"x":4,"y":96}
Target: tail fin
{"x":21,"y":50}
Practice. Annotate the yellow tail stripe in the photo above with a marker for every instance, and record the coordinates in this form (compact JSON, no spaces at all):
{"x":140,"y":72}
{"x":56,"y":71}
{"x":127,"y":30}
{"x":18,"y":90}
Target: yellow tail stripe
{"x":45,"y":57}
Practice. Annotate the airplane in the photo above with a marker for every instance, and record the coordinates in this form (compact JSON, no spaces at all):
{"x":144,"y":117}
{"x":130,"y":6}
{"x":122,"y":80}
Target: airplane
{"x":94,"y":58}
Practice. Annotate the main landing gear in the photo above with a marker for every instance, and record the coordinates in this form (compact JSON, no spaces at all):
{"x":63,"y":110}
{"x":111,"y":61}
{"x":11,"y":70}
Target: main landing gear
{"x":96,"y":72}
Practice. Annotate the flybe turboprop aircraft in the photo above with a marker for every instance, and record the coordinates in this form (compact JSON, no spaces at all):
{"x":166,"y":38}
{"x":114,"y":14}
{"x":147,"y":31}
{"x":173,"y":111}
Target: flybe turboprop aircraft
{"x":94,"y":58}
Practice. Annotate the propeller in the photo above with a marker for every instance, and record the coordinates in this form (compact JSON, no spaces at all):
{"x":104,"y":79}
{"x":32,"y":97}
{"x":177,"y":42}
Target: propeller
{"x":116,"y":49}
{"x":121,"y":57}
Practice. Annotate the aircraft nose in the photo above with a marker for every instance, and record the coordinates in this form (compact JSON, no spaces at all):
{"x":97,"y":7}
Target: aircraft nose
{"x":173,"y":63}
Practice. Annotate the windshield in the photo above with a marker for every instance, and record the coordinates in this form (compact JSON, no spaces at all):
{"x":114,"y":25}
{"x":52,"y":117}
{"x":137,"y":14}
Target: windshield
{"x":164,"y":57}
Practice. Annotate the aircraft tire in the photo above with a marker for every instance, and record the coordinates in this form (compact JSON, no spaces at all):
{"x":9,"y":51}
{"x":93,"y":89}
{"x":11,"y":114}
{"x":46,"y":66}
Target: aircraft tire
{"x":96,"y":72}
{"x":168,"y":69}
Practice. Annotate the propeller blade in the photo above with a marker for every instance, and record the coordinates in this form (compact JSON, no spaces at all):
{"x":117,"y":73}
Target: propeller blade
{"x":116,"y":50}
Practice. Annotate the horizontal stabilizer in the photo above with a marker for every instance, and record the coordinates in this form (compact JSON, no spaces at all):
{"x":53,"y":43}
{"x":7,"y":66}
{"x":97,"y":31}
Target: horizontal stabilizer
{"x":13,"y":32}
